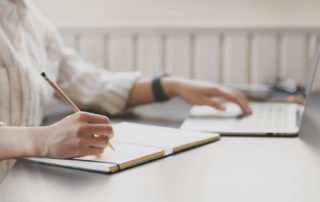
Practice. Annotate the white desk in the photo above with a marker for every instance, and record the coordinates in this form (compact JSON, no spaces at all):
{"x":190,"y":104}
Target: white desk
{"x":236,"y":169}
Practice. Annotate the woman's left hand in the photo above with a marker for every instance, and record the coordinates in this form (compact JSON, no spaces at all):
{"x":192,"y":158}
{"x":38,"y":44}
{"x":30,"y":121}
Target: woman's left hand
{"x":203,"y":93}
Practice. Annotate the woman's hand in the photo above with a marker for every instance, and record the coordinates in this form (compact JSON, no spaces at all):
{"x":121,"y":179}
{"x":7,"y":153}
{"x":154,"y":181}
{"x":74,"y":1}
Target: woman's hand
{"x":77,"y":135}
{"x":193,"y":91}
{"x":203,"y":93}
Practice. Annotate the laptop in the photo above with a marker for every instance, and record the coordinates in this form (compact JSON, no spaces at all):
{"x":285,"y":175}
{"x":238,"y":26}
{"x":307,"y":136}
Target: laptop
{"x":267,"y":119}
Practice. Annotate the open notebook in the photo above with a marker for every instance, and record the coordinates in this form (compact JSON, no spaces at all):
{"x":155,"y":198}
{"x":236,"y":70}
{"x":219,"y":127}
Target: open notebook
{"x":135,"y":144}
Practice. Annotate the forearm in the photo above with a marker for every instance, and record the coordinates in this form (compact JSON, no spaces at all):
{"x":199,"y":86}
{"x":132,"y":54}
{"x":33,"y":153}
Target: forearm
{"x":192,"y":91}
{"x":18,"y":142}
{"x":141,"y":92}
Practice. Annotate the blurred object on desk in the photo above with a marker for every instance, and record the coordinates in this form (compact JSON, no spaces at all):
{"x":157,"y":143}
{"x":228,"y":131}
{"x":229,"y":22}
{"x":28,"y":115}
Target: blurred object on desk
{"x":287,"y":85}
{"x":288,"y":98}
{"x":259,"y":92}
{"x":288,"y":90}
{"x":282,"y":90}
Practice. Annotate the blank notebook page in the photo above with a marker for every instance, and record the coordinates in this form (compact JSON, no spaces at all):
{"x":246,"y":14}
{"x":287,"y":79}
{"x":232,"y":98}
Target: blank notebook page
{"x":169,"y":139}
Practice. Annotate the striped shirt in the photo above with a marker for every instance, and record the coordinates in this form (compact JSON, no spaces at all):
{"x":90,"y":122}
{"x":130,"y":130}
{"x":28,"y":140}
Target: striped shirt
{"x":30,"y":44}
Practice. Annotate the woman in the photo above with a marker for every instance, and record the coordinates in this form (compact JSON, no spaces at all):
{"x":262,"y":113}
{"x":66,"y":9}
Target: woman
{"x":29,"y":44}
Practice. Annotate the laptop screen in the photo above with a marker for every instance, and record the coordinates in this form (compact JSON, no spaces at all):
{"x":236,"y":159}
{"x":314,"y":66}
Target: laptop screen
{"x":310,"y":83}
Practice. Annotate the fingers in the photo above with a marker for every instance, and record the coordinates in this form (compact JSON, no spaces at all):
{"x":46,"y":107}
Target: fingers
{"x":245,"y":104}
{"x":92,"y":118}
{"x":236,"y":97}
{"x":104,"y":130}
{"x":212,"y":103}
{"x":92,"y":145}
{"x":96,"y":141}
{"x":96,"y":151}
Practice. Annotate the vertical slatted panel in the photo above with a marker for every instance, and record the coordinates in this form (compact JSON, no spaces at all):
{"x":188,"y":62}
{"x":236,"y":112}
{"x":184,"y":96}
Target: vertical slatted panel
{"x":69,"y":40}
{"x":178,"y":55}
{"x":236,"y":59}
{"x":264,"y":58}
{"x":78,"y":45}
{"x":207,"y":61}
{"x":93,"y":49}
{"x":106,"y":53}
{"x":293,"y":57}
{"x":121,"y":53}
{"x":231,"y":58}
{"x":150,"y":58}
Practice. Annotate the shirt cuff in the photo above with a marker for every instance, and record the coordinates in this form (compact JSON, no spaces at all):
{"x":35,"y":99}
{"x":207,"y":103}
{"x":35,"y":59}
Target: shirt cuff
{"x":117,"y":91}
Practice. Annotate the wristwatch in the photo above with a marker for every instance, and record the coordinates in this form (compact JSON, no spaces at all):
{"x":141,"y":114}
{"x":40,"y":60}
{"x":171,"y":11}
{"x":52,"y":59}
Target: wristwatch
{"x":157,"y":89}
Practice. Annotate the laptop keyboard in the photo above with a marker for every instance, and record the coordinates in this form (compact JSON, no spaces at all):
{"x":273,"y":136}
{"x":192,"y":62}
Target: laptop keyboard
{"x":265,"y":116}
{"x":273,"y":118}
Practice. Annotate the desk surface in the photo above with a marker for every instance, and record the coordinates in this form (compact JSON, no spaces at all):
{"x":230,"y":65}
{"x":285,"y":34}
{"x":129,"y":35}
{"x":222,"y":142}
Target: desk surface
{"x":232,"y":169}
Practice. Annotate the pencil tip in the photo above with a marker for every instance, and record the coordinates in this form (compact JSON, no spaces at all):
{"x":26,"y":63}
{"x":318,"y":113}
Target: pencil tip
{"x":43,"y":74}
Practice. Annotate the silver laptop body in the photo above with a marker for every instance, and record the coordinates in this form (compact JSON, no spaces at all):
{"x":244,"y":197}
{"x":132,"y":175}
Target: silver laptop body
{"x":268,"y":119}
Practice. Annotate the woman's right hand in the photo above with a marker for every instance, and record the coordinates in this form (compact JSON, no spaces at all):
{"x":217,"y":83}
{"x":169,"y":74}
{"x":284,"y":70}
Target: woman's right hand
{"x":77,"y":135}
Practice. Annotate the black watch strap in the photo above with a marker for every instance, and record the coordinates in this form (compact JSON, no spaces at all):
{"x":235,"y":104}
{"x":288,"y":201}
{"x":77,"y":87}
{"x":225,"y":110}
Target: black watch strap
{"x":157,"y":89}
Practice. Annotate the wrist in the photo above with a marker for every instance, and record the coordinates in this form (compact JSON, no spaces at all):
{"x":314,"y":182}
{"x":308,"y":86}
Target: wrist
{"x":170,"y":85}
{"x":37,"y":142}
{"x":16,"y":142}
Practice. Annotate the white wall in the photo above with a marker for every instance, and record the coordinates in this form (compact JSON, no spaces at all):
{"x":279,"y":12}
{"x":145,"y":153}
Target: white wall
{"x":116,"y":11}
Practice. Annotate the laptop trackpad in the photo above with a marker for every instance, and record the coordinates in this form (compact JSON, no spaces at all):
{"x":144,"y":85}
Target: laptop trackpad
{"x":232,"y":111}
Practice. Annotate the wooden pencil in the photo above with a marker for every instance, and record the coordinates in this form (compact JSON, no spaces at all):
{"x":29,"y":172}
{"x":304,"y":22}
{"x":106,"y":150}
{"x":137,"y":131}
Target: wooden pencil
{"x":65,"y":98}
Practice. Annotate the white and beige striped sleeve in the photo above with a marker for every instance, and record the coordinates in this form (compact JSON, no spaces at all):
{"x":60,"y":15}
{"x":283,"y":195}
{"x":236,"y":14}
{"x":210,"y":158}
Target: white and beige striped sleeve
{"x":93,"y":87}
{"x":88,"y":85}
{"x":5,"y":165}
